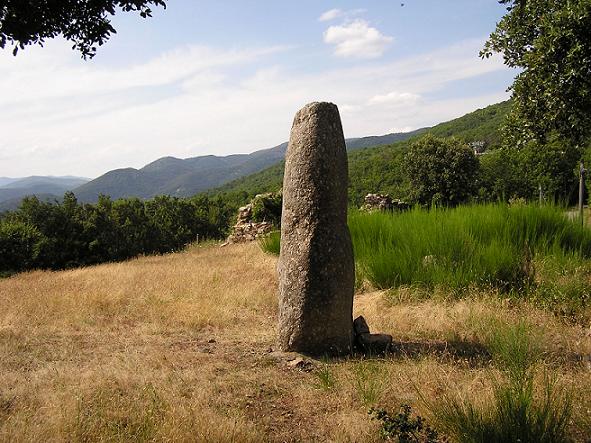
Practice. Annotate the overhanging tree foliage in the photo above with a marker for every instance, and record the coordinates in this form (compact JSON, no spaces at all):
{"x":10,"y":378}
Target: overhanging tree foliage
{"x":550,"y":40}
{"x":86,"y":23}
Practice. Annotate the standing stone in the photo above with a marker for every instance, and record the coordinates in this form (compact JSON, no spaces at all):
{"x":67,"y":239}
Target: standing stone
{"x":316,"y":267}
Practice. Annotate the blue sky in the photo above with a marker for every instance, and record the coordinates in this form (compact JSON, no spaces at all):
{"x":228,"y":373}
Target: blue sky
{"x":205,"y":77}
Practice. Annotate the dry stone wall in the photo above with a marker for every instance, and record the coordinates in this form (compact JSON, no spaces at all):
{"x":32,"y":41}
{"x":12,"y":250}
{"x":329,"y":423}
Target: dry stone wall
{"x":246,"y":229}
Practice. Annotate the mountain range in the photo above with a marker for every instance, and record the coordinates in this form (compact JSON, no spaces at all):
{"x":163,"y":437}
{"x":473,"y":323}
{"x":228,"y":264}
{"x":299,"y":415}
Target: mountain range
{"x":257,"y":171}
{"x":47,"y":188}
{"x":184,"y":178}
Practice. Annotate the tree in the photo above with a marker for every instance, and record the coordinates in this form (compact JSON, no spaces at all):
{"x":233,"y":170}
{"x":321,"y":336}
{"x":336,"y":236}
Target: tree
{"x":550,"y":41}
{"x":86,"y":23}
{"x":499,"y":178}
{"x":19,"y":245}
{"x":551,"y":166}
{"x":441,"y":171}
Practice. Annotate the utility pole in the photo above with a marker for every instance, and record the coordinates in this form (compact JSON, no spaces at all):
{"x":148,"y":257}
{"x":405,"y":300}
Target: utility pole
{"x":541,"y":195}
{"x":582,"y":172}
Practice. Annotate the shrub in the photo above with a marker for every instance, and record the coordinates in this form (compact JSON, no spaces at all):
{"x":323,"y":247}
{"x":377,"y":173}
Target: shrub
{"x":441,"y":171}
{"x":369,"y":382}
{"x":404,"y":426}
{"x":271,"y":243}
{"x":267,"y":207}
{"x":72,"y":234}
{"x":19,"y":245}
{"x":326,"y":379}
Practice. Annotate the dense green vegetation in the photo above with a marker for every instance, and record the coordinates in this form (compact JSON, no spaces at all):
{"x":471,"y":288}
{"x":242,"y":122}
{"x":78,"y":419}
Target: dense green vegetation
{"x":524,"y":250}
{"x":504,"y":171}
{"x":483,"y":245}
{"x":67,"y":234}
{"x":440,"y":171}
{"x":548,"y":128}
{"x":424,"y":169}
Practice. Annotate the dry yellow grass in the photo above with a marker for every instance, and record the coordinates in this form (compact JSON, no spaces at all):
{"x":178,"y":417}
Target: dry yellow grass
{"x":176,"y":348}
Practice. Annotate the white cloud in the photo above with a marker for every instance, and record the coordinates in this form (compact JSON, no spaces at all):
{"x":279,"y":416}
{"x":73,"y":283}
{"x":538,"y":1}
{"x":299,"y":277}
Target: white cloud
{"x":357,"y":39}
{"x":395,"y":98}
{"x":72,"y":117}
{"x":333,"y":14}
{"x":330,"y":15}
{"x":20,"y":75}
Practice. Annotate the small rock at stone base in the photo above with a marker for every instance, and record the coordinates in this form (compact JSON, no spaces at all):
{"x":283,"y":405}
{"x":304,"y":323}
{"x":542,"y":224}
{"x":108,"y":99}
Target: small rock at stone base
{"x":374,"y":344}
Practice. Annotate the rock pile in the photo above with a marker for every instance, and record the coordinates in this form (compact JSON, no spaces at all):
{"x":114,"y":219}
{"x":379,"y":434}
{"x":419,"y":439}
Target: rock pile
{"x":246,"y":229}
{"x":383,"y":202}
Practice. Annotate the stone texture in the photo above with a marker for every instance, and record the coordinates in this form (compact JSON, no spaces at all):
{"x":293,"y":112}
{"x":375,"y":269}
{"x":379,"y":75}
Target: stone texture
{"x":316,"y":268}
{"x":245,"y":229}
{"x":377,"y":202}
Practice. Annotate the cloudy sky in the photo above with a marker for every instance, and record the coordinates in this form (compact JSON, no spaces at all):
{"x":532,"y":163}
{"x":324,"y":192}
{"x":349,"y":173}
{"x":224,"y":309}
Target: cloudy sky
{"x":223,"y":77}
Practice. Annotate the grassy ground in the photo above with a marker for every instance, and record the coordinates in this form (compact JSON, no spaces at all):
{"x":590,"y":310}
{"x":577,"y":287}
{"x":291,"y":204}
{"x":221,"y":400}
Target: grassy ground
{"x":178,"y":348}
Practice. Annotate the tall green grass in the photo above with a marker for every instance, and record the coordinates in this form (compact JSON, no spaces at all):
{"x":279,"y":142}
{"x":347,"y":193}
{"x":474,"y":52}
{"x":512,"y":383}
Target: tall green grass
{"x":525,"y":249}
{"x":270,"y":243}
{"x":464,"y":246}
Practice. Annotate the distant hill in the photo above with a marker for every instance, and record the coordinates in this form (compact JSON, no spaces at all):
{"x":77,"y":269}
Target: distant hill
{"x":377,"y":168}
{"x":14,"y":203}
{"x":372,"y":166}
{"x":371,"y":141}
{"x":13,"y":190}
{"x":183,"y":178}
{"x":36,"y":181}
{"x":6,"y":180}
{"x":480,"y":125}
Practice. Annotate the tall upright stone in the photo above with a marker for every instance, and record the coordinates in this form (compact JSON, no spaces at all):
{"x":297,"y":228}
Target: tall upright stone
{"x":316,"y":267}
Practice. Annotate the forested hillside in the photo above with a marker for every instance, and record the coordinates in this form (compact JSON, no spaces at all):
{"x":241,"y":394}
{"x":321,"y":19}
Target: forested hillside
{"x":187,"y":177}
{"x":378,"y":169}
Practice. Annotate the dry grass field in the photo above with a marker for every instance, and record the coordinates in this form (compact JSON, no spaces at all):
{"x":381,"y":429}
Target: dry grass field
{"x":178,"y":348}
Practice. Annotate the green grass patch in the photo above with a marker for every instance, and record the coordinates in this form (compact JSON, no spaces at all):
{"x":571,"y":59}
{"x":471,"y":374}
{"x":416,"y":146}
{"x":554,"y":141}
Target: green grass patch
{"x":483,"y":245}
{"x":524,"y":250}
{"x":271,"y":243}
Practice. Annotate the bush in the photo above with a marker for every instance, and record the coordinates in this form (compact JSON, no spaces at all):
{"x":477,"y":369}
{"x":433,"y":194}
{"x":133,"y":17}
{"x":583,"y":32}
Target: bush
{"x":441,"y":171}
{"x":19,"y":245}
{"x":271,"y":243}
{"x":267,"y":207}
{"x":69,"y":234}
{"x":404,"y":426}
